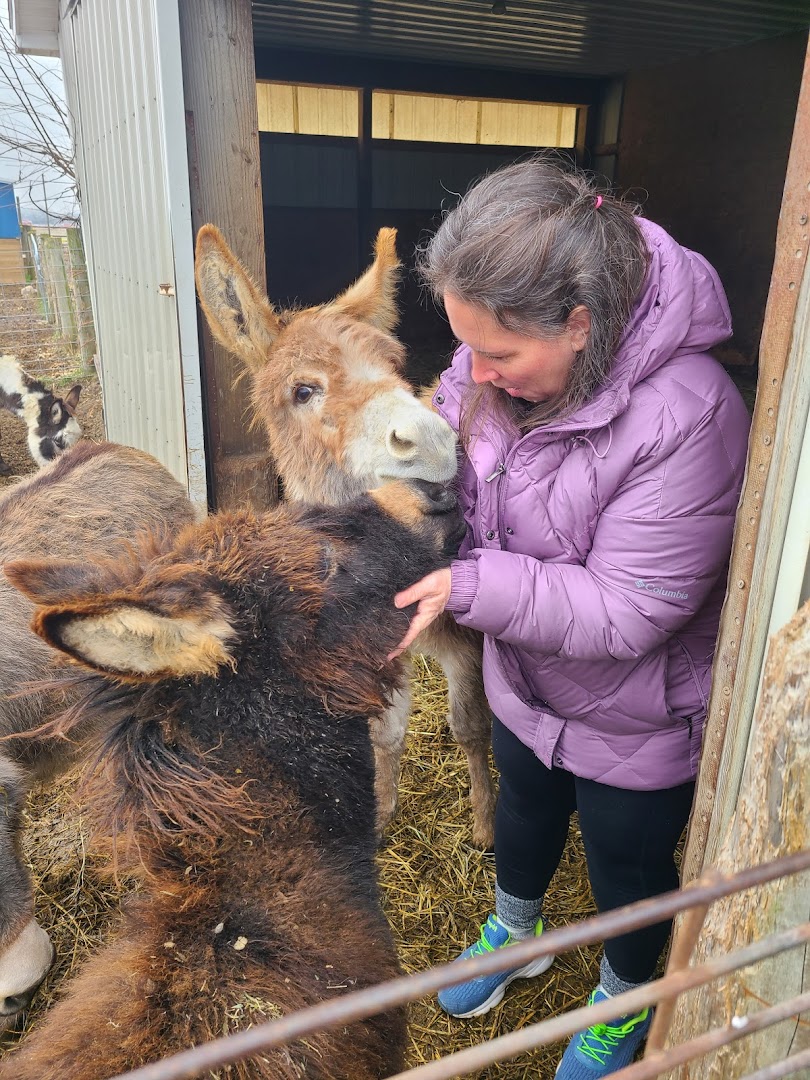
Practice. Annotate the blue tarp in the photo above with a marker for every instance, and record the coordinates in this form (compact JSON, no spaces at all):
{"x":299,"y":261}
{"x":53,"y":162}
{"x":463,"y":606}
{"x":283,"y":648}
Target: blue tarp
{"x":9,"y":223}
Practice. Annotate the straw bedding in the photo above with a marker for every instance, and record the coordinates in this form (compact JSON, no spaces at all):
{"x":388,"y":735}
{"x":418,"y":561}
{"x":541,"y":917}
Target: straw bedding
{"x":437,"y":890}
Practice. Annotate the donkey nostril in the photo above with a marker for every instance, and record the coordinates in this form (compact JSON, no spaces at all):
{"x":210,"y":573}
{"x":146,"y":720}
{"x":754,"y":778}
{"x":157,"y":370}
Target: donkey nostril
{"x":440,"y":498}
{"x":400,"y":446}
{"x":16,"y":1003}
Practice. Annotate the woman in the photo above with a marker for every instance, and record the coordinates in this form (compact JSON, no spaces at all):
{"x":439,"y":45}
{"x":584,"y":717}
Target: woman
{"x":604,"y":459}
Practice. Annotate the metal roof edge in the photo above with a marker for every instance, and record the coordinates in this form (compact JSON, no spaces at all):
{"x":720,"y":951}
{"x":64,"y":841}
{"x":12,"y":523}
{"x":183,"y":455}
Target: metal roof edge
{"x":36,"y":31}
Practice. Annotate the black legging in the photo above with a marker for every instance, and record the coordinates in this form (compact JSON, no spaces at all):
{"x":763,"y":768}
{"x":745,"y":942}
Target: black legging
{"x":629,"y":838}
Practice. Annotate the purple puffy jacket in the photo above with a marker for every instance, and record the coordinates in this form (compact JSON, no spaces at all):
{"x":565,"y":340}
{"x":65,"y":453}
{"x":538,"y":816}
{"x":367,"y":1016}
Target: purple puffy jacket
{"x":598,"y":547}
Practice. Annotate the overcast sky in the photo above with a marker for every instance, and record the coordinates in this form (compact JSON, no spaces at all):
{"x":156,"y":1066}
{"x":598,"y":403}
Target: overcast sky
{"x":22,"y":174}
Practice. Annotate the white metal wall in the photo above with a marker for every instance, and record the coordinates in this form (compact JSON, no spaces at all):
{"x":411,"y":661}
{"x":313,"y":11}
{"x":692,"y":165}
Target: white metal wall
{"x":123,"y":79}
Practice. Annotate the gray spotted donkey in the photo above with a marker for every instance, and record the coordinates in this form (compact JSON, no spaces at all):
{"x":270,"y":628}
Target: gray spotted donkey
{"x":51,"y":424}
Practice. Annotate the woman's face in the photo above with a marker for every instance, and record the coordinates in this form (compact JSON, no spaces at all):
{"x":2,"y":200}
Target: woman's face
{"x":534,"y":369}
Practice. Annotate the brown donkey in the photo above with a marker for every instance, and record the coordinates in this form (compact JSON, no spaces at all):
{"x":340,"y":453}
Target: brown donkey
{"x":96,"y":497}
{"x":234,"y":669}
{"x":340,"y":418}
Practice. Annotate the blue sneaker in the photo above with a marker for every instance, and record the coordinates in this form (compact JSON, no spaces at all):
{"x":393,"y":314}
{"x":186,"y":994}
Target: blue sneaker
{"x":604,"y":1048}
{"x":478,"y":996}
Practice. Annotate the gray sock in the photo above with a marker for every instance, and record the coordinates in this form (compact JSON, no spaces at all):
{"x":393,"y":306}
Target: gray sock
{"x":518,"y":916}
{"x":611,"y":983}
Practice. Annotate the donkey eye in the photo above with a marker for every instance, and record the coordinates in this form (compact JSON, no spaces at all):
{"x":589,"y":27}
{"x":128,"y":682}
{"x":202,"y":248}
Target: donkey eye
{"x":56,"y":412}
{"x":303,"y":393}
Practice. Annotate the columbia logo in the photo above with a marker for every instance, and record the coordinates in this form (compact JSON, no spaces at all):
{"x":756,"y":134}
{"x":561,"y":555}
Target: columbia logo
{"x":649,"y":586}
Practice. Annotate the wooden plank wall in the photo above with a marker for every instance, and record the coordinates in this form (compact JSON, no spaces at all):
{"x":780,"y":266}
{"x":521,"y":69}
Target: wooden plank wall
{"x":752,"y":576}
{"x":772,"y":819}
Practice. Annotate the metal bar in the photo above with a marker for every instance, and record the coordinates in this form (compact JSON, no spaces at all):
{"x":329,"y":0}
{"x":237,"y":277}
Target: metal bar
{"x":712,"y":1040}
{"x":191,"y":1063}
{"x":680,"y":956}
{"x":628,"y":1004}
{"x":787,"y":1067}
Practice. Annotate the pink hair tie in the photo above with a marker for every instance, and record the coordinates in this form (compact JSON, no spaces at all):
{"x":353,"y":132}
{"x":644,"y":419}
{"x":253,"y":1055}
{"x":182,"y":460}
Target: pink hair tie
{"x":597,"y":202}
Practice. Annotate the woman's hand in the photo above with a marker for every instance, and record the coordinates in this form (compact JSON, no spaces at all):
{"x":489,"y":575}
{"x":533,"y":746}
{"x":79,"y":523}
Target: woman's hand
{"x":431,"y":594}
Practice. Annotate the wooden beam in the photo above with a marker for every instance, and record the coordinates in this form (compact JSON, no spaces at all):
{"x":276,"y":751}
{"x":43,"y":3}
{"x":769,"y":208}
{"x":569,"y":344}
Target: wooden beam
{"x":772,"y":819}
{"x":333,"y":69}
{"x":752,"y":576}
{"x":219,"y":80}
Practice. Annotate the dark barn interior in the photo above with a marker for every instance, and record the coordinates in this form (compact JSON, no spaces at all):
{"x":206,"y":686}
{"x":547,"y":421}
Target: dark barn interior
{"x":688,"y":108}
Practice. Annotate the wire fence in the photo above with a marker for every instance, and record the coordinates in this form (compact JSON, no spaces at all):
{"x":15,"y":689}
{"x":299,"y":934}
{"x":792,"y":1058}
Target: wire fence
{"x":679,"y":978}
{"x":46,"y":318}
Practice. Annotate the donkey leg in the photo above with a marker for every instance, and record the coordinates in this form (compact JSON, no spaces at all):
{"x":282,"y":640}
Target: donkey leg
{"x":26,"y":952}
{"x":388,"y":739}
{"x":460,"y":652}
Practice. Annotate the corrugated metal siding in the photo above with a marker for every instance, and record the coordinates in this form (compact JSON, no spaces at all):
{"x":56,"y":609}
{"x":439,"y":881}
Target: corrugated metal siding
{"x":115,"y":90}
{"x":586,"y":37}
{"x":406,"y":179}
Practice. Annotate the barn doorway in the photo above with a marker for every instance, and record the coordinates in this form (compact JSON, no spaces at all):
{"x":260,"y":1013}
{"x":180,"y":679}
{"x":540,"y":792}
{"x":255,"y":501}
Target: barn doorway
{"x":327,"y":188}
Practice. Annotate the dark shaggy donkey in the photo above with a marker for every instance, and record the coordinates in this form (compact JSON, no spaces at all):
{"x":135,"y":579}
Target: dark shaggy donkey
{"x":236,"y":669}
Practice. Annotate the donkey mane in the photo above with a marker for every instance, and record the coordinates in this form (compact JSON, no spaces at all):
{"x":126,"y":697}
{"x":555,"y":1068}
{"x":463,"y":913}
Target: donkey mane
{"x":145,"y":771}
{"x":164,"y":787}
{"x":143,"y":774}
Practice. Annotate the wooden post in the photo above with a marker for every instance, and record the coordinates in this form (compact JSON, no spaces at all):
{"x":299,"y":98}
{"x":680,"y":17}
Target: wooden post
{"x":752,"y":579}
{"x":80,"y":296}
{"x":51,"y":314}
{"x":53,"y":250}
{"x":35,"y":264}
{"x":219,"y":80}
{"x":772,"y":819}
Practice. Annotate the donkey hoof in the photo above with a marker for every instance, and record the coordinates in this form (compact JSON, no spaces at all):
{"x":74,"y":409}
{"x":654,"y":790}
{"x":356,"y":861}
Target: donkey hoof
{"x":484,"y":840}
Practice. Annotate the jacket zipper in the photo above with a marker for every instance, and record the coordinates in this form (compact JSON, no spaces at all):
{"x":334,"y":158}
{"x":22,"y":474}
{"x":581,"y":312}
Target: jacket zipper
{"x":498,"y":472}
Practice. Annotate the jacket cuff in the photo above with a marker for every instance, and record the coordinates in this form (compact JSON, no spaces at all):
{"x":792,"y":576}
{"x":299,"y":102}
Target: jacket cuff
{"x":463,"y":586}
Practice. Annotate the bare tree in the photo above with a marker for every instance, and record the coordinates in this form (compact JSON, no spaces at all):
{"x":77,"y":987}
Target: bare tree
{"x":34,"y":126}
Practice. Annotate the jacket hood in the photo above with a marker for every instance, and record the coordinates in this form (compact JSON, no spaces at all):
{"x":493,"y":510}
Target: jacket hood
{"x":682,"y":308}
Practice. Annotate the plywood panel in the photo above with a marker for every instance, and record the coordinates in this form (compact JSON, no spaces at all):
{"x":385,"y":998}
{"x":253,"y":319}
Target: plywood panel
{"x":307,"y":110}
{"x":11,"y":263}
{"x":516,"y":123}
{"x":327,"y":111}
{"x":474,"y":121}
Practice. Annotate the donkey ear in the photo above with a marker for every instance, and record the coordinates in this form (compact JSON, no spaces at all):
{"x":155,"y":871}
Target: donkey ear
{"x":372,"y":298}
{"x":71,"y":399}
{"x":239,"y":316}
{"x":49,"y":581}
{"x":137,"y":643}
{"x":154,"y":635}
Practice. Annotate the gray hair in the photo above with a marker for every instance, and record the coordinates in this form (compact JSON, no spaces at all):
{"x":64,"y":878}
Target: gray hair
{"x":528,"y":244}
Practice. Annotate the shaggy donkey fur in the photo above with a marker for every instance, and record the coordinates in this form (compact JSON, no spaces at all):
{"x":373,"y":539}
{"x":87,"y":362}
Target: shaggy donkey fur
{"x":236,"y":670}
